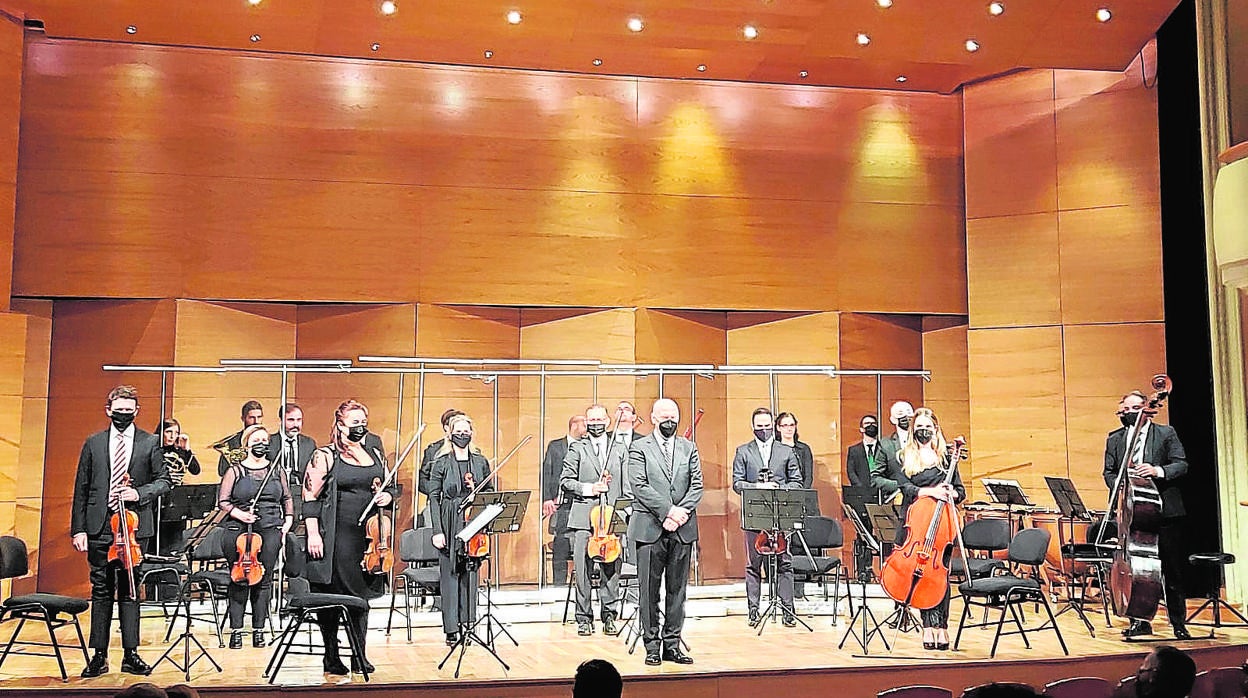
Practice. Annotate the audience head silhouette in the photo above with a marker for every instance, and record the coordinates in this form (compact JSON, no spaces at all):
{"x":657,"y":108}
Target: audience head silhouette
{"x":1166,"y":673}
{"x":1001,"y":690}
{"x":597,"y":678}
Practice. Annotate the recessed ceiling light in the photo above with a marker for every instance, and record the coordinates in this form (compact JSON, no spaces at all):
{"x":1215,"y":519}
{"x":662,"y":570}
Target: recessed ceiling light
{"x":132,"y":29}
{"x":803,"y":75}
{"x":902,"y":78}
{"x":489,"y":53}
{"x":388,"y":7}
{"x":597,"y":61}
{"x":996,"y":9}
{"x":255,"y":38}
{"x":972,"y":45}
{"x":375,"y":46}
{"x":514,"y":17}
{"x":863,"y":39}
{"x":253,"y":3}
{"x":884,"y":3}
{"x":635,"y":24}
{"x":701,"y":67}
{"x":750,"y":31}
{"x":1104,"y":15}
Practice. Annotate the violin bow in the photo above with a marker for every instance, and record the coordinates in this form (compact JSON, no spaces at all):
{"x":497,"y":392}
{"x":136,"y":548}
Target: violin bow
{"x":391,"y":472}
{"x":481,"y":485}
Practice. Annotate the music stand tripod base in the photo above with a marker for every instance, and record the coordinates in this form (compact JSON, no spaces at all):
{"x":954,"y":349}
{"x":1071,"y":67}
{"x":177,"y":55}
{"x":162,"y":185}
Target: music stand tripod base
{"x":468,"y":636}
{"x":187,"y":638}
{"x":776,"y":510}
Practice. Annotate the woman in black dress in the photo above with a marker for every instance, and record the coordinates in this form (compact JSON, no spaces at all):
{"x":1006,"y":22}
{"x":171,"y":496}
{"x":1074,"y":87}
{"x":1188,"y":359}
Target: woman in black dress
{"x":341,"y":479}
{"x":448,"y":488}
{"x":272,"y":518}
{"x":786,"y":432}
{"x":920,"y":470}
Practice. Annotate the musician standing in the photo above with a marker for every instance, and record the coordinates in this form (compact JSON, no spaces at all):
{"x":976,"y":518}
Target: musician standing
{"x":430,"y":455}
{"x":252,"y":413}
{"x":665,"y":475}
{"x":1159,"y":455}
{"x":779,"y":461}
{"x":626,"y":425}
{"x":100,"y":488}
{"x":900,"y":415}
{"x":862,"y":459}
{"x":554,"y":507}
{"x":593,"y":467}
{"x":786,"y":433}
{"x":292,"y":450}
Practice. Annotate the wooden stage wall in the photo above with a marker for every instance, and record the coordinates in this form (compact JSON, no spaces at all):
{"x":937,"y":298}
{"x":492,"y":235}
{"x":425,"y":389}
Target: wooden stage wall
{"x":187,"y":205}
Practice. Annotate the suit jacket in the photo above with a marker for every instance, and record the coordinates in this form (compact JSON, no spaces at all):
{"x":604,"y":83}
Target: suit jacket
{"x":148,"y":475}
{"x":655,"y":493}
{"x":305,"y":446}
{"x":426,"y":464}
{"x":1163,"y":449}
{"x":805,"y":461}
{"x":883,"y":483}
{"x":859,"y":467}
{"x":233,"y":443}
{"x":748,"y":462}
{"x":582,"y":467}
{"x":552,"y":467}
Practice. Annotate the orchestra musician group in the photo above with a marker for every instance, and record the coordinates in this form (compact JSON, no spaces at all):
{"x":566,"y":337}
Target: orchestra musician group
{"x":278,"y":483}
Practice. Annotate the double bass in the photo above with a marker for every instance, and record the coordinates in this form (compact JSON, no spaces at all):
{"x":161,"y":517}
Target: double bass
{"x":1135,"y":580}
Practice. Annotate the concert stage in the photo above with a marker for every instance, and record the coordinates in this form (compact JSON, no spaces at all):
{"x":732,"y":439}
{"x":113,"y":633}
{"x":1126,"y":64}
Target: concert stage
{"x":730,"y":658}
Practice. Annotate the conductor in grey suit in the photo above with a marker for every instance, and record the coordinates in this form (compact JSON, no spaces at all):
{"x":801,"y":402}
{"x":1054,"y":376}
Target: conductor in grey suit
{"x":594,"y":471}
{"x":665,"y":476}
{"x":783,"y":471}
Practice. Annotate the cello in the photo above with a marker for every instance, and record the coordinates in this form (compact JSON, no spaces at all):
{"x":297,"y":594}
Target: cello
{"x":1135,"y":580}
{"x":915,"y":574}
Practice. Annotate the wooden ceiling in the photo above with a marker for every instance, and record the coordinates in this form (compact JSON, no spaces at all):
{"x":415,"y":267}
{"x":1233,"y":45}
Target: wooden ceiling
{"x":923,"y":40}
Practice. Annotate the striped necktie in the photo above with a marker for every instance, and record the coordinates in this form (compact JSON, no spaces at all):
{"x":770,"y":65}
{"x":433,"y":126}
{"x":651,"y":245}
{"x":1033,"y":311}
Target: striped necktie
{"x":667,"y":456}
{"x":121,"y":461}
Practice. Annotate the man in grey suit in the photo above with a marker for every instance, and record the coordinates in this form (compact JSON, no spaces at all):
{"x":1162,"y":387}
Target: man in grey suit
{"x":666,"y":479}
{"x":899,"y":415}
{"x":583,"y":483}
{"x":764,"y":453}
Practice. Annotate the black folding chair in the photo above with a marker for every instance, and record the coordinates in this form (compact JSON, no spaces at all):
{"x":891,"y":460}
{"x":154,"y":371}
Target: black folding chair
{"x":53,"y":610}
{"x":421,"y":576}
{"x":824,"y":538}
{"x":210,"y":580}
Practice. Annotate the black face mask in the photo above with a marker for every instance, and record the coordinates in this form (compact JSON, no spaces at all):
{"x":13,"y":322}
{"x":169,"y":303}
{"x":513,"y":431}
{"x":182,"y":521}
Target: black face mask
{"x":356,"y":433}
{"x":763,"y":435}
{"x":903,"y":422}
{"x":1128,"y":419}
{"x":260,"y":450}
{"x":461,"y":440}
{"x":923,"y":436}
{"x":122,"y":420}
{"x":667,"y":428}
{"x":596,"y":430}
{"x":872,"y":430}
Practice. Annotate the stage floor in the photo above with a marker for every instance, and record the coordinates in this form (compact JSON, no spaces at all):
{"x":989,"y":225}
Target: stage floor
{"x":726,"y":651}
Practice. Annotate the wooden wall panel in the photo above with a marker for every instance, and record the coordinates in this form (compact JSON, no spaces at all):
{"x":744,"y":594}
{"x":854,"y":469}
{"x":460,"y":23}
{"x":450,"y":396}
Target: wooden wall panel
{"x":12,"y":40}
{"x":33,"y":436}
{"x":948,"y":393}
{"x":1010,"y":128}
{"x":1013,"y":276}
{"x":1131,"y":237}
{"x":1017,"y":406}
{"x":86,"y":335}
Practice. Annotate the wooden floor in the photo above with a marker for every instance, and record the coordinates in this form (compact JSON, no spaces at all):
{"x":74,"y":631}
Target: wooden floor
{"x":729,"y":656}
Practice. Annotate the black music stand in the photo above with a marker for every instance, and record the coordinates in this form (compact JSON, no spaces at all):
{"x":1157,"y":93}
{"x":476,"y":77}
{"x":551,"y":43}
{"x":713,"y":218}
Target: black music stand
{"x":1070,"y":504}
{"x":515,"y":504}
{"x":187,"y":637}
{"x":864,"y":576}
{"x":857,"y":498}
{"x":779,"y":510}
{"x":482,"y":514}
{"x":1009,"y":493}
{"x":885,"y":521}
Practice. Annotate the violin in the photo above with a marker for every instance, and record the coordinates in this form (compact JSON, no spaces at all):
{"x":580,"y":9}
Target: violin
{"x":248,"y":569}
{"x":479,"y":545}
{"x":772,"y":542}
{"x":125,"y":548}
{"x":915,"y":574}
{"x":603,"y":546}
{"x":378,"y":556}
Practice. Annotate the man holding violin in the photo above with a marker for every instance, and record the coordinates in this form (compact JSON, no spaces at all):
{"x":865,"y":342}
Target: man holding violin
{"x":1159,"y":455}
{"x":764,"y":462}
{"x":593,"y":478}
{"x":120,"y":467}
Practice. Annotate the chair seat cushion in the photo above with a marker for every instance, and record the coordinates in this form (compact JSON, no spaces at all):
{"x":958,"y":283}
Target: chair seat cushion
{"x":990,"y":586}
{"x":422,"y":575}
{"x":980,"y":567}
{"x":315,"y":600}
{"x":1211,"y":559}
{"x":823,"y":565}
{"x":53,"y":602}
{"x":218,"y":578}
{"x":162,"y":568}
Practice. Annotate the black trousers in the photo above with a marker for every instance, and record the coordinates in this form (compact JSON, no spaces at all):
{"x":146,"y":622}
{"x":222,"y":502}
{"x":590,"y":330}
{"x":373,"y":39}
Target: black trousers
{"x":753,"y":577}
{"x":328,"y":622}
{"x":666,"y":562}
{"x":1173,"y":551}
{"x":259,"y":595}
{"x":458,"y":588}
{"x":109,"y":581}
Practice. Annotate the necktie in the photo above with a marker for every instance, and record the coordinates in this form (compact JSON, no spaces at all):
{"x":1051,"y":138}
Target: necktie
{"x":294,"y":450}
{"x":1138,"y":456}
{"x":121,"y":461}
{"x":667,"y":456}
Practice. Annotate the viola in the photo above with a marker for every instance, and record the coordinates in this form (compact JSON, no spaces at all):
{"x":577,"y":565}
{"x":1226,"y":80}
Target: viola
{"x":125,"y":548}
{"x":479,"y":545}
{"x":771,"y":543}
{"x":915,"y":573}
{"x":603,"y":545}
{"x":378,"y":556}
{"x":248,"y":569}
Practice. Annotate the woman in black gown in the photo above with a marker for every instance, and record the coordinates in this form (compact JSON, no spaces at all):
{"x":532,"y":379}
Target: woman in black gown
{"x":272,"y":517}
{"x":448,"y":488}
{"x":341,"y":479}
{"x":920,"y":469}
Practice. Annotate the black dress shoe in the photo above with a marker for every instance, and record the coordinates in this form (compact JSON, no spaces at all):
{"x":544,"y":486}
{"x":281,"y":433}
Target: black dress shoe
{"x":236,"y":640}
{"x":1180,"y":633}
{"x":942,"y":646}
{"x":1138,"y":628}
{"x":362,"y":666}
{"x":257,"y":638}
{"x":451,"y":639}
{"x":653,"y":658}
{"x":584,"y":629}
{"x":754,"y":617}
{"x":789,"y":620}
{"x":929,"y":645}
{"x":608,"y":626}
{"x":132,"y":663}
{"x":98,"y":666}
{"x":677,"y":657}
{"x":334,"y":665}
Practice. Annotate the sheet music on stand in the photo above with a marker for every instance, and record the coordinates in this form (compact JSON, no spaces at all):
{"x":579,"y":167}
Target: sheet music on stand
{"x":1007,"y":492}
{"x":1067,"y":497}
{"x":619,"y":522}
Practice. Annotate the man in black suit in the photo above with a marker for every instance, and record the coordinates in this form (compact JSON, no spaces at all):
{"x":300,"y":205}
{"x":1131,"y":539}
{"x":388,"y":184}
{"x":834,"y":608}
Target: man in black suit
{"x":782,"y":471}
{"x":1158,"y":456}
{"x":430,"y":455}
{"x":252,"y":413}
{"x":555,"y":507}
{"x":292,"y":450}
{"x":665,"y":475}
{"x":122,"y":465}
{"x":861,"y":460}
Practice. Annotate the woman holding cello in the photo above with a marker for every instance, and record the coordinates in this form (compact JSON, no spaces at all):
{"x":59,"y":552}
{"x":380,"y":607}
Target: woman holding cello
{"x":341,"y":481}
{"x":261,"y":512}
{"x":458,"y":467}
{"x":921,"y":469}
